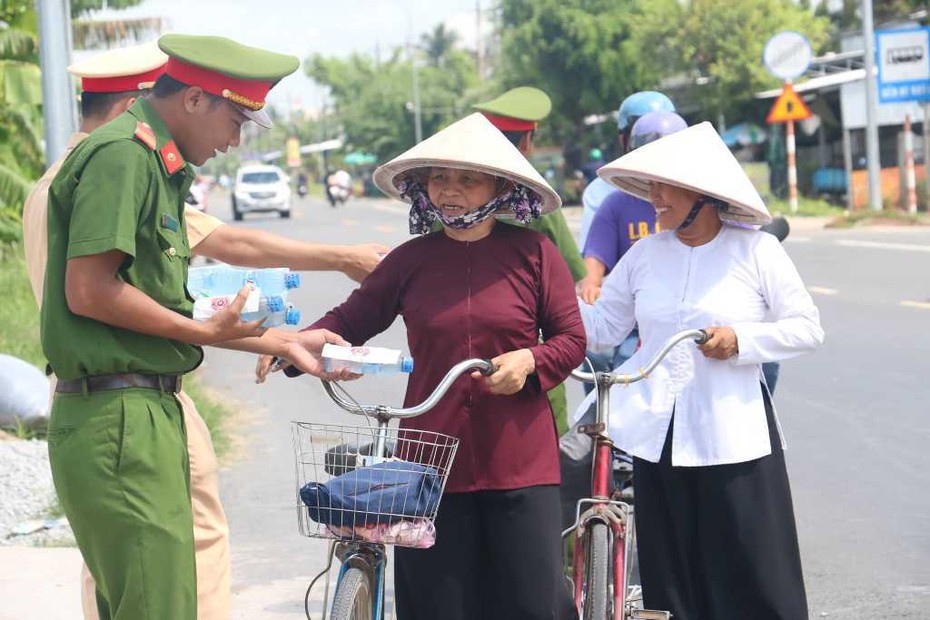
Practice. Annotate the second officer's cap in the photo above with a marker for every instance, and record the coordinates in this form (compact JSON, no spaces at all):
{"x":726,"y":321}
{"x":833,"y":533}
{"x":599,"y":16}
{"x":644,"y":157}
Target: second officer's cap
{"x":244,"y":75}
{"x":121,"y":70}
{"x":519,"y":109}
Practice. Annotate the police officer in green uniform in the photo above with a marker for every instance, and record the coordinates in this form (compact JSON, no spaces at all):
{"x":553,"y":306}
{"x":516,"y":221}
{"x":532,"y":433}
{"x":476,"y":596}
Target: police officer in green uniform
{"x":516,"y":114}
{"x":116,"y":324}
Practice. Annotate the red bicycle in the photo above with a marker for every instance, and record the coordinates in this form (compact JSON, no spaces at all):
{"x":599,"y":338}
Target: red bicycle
{"x":604,"y":530}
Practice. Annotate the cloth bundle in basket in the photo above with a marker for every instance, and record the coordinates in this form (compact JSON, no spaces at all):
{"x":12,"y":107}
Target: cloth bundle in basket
{"x":382,"y":493}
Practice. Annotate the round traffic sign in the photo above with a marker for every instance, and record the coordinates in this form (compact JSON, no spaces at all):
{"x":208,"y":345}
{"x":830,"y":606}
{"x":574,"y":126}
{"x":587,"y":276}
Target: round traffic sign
{"x":787,"y":54}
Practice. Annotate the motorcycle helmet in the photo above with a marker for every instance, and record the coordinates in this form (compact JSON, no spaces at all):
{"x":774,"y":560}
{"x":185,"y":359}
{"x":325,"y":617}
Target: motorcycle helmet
{"x":641,"y":103}
{"x":653,"y":125}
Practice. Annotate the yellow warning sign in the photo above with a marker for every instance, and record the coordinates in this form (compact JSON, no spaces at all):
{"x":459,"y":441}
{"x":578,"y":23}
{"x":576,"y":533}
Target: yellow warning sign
{"x":788,"y":107}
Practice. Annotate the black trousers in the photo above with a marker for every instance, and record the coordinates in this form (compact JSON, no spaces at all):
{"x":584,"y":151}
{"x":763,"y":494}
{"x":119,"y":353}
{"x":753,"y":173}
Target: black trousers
{"x":497,"y":557}
{"x":719,"y":542}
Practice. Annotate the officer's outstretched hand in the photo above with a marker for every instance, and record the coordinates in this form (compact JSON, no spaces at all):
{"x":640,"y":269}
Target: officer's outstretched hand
{"x":307,"y":354}
{"x":362,"y":259}
{"x":227,"y":324}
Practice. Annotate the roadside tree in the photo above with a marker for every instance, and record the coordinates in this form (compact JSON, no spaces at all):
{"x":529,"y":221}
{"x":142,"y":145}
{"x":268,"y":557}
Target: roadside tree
{"x":716,"y":45}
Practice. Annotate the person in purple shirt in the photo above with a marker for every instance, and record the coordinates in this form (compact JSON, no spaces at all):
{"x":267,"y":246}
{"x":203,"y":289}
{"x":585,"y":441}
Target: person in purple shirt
{"x":621,"y":220}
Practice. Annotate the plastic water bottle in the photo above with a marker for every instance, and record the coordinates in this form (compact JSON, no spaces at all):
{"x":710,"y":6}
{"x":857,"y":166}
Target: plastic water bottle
{"x":287,"y":315}
{"x":275,"y":281}
{"x":215,"y":281}
{"x":226,"y":280}
{"x":365,"y":360}
{"x":268,"y":306}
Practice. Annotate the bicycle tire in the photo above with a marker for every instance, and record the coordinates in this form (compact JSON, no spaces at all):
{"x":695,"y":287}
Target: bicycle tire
{"x":353,"y":599}
{"x":597,"y":572}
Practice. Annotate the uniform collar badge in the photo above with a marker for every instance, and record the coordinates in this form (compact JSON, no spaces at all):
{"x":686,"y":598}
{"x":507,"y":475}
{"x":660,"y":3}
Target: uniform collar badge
{"x":171,"y":158}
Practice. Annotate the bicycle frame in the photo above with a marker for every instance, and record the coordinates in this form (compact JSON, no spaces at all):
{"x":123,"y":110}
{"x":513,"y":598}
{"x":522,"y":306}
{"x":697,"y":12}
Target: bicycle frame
{"x":371,"y":558}
{"x":618,"y":516}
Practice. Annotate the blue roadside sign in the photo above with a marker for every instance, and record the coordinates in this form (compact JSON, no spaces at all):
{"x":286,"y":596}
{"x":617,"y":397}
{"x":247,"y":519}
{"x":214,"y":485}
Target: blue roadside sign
{"x":903,"y":61}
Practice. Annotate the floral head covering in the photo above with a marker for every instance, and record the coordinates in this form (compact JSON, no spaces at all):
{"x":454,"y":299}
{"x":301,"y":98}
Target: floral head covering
{"x":524,"y":203}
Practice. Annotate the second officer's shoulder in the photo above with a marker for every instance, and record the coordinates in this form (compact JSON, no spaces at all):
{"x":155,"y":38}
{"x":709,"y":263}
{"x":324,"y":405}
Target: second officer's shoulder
{"x":108,"y":149}
{"x":121,"y":129}
{"x":125,"y":137}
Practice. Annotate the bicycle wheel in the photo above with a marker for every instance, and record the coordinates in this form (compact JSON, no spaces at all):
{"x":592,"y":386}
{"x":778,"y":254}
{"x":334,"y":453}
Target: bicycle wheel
{"x":354,"y":599}
{"x":597,"y":572}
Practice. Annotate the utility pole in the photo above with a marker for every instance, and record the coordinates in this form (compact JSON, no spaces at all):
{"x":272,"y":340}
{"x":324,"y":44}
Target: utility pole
{"x":871,"y":108}
{"x":417,"y":123}
{"x":479,"y":52}
{"x":58,"y":109}
{"x":926,"y":141}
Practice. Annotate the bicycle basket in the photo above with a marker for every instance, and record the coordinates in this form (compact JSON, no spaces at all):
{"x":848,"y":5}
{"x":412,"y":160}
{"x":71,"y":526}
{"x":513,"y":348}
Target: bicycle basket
{"x":345,"y":490}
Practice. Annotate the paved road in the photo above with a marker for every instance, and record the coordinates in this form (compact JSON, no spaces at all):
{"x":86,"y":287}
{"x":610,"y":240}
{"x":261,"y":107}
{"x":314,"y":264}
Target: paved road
{"x":855,"y":414}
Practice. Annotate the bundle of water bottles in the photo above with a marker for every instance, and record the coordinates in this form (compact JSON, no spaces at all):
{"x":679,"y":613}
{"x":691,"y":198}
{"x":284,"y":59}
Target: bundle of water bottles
{"x":215,"y":287}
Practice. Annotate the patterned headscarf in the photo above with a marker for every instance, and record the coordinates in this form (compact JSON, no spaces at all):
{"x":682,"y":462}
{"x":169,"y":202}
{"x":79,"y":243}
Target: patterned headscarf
{"x":522,"y":201}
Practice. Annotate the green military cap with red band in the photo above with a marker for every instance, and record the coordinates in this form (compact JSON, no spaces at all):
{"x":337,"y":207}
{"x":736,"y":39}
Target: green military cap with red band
{"x":519,"y":109}
{"x":244,"y":75}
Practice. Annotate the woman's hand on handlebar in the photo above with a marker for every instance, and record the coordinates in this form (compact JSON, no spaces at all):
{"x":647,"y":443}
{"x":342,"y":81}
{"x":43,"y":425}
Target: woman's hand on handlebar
{"x":721,"y":343}
{"x":268,"y":364}
{"x":589,"y":289}
{"x":512,"y":370}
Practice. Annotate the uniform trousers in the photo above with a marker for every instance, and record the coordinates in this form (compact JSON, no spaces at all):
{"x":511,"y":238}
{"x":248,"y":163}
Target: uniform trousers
{"x":120,"y":467}
{"x":211,"y":530}
{"x":719,"y":542}
{"x":497,"y":557}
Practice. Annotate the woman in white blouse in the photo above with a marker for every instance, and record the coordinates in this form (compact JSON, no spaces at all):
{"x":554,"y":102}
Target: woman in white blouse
{"x":716,"y":531}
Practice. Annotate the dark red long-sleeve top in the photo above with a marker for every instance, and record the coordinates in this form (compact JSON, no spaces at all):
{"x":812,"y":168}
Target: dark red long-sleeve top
{"x":462,"y":300}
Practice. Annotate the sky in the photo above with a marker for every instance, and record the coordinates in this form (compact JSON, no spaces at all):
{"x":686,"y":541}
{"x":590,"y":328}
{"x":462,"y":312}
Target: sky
{"x":305,"y":27}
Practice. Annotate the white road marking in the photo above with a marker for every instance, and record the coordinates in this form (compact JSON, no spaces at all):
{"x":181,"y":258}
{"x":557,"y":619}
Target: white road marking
{"x":822,"y":290}
{"x":881,"y":245}
{"x":923,"y":305}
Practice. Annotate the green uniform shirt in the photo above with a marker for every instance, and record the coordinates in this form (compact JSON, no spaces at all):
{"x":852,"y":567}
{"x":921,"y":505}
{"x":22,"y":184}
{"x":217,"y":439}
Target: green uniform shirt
{"x":554,"y":226}
{"x":122,"y":188}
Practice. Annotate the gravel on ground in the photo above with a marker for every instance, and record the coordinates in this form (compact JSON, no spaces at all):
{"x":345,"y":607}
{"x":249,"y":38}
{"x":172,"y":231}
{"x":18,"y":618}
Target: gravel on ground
{"x":27,"y":497}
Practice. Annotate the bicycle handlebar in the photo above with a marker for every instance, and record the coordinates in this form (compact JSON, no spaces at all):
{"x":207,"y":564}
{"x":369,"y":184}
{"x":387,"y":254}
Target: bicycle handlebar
{"x":699,"y":336}
{"x":485,"y":366}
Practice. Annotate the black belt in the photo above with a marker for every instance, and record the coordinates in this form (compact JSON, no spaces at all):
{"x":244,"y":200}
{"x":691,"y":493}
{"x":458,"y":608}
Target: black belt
{"x":120,"y":381}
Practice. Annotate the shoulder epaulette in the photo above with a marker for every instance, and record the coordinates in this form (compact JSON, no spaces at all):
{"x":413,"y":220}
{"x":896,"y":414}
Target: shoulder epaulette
{"x":145,"y":134}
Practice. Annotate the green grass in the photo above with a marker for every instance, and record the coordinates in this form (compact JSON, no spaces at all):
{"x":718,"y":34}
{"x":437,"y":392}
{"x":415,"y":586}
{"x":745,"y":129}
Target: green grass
{"x":894,"y":217}
{"x":758,"y":173}
{"x":19,"y":336}
{"x":213,"y":411}
{"x":807,"y":207}
{"x":19,"y":329}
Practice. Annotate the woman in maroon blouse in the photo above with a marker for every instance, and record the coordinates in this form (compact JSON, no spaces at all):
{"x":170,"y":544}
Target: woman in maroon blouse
{"x":479,"y":288}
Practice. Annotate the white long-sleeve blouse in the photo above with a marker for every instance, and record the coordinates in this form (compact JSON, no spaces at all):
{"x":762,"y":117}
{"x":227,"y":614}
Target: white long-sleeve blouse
{"x":742,"y":279}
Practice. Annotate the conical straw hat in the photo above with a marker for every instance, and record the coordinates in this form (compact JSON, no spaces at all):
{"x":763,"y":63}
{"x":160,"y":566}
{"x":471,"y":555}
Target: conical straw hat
{"x":697,"y":159}
{"x":472,"y":143}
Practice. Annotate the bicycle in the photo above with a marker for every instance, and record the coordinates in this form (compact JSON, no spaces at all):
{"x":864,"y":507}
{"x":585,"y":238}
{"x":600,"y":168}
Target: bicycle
{"x":604,"y":529}
{"x":328,"y":452}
